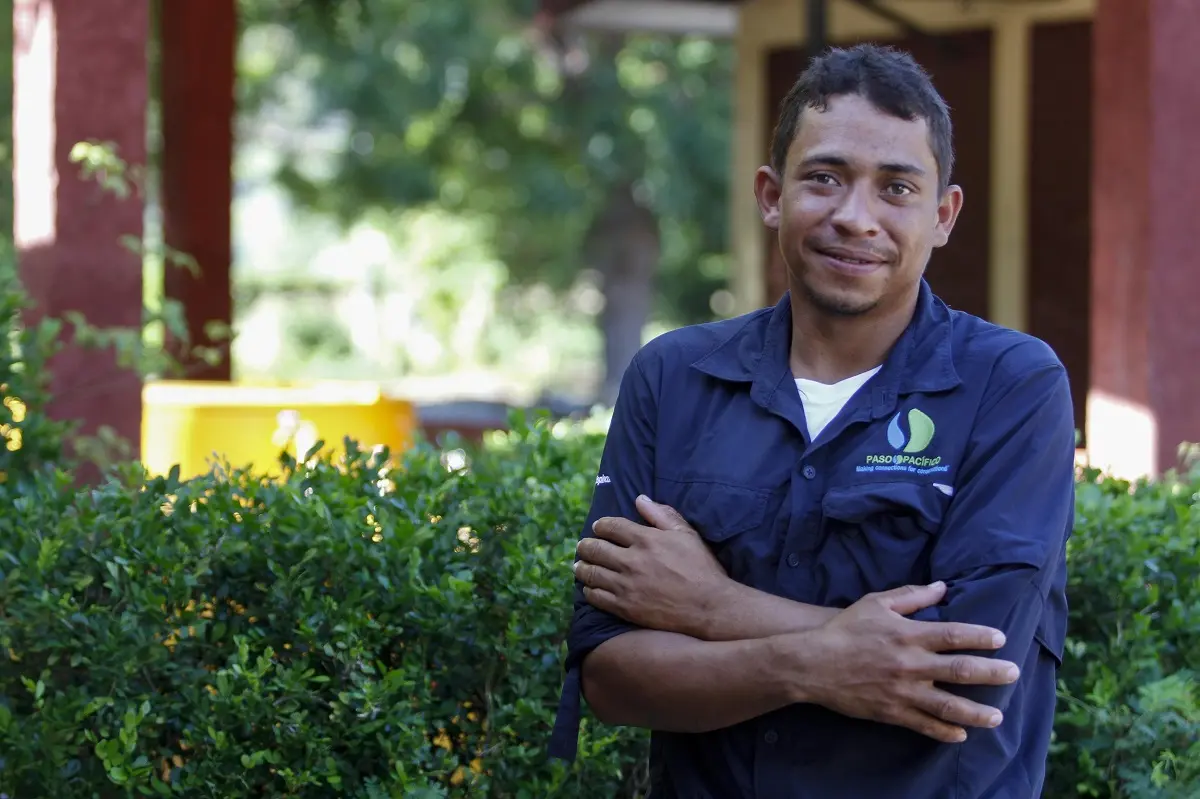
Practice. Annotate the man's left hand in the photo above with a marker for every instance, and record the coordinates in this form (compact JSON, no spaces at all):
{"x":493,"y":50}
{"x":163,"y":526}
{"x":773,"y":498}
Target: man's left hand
{"x":659,"y":577}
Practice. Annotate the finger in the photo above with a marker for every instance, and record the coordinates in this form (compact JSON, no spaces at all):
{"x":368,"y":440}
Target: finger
{"x":929,"y":726}
{"x":953,"y":709}
{"x":593,"y":576}
{"x":910,"y":598}
{"x":969,"y":670}
{"x":664,"y":517}
{"x":602,"y":599}
{"x":618,"y":530}
{"x":950,"y":636}
{"x":599,"y":552}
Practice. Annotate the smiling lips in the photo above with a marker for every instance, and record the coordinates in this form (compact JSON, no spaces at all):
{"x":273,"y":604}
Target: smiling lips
{"x":858,"y":262}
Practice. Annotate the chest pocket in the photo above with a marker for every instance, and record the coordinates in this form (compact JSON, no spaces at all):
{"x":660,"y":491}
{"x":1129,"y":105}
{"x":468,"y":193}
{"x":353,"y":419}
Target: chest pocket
{"x":731,"y":518}
{"x":875,"y":537}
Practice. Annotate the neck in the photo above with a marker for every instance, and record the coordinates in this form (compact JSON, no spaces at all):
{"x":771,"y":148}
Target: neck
{"x":828,"y":348}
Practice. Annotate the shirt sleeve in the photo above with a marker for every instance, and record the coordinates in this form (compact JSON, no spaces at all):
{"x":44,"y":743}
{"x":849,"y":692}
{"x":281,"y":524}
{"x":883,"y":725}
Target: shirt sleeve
{"x":626,"y":470}
{"x":1004,"y":536}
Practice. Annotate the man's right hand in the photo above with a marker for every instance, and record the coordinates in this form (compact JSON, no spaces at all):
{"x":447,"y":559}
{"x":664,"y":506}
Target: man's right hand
{"x":870,"y":662}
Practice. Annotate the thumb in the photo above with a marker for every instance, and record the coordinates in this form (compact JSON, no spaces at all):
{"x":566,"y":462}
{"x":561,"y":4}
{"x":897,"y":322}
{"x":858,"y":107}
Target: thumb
{"x":911,"y":598}
{"x":664,"y":517}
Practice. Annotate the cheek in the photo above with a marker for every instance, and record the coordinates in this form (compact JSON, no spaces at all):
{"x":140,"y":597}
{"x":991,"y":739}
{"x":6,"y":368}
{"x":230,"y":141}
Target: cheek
{"x":810,"y":203}
{"x":910,"y":232}
{"x":804,"y":212}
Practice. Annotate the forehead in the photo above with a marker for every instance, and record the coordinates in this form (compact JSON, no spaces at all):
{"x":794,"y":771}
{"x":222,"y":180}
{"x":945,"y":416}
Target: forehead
{"x":853,"y":128}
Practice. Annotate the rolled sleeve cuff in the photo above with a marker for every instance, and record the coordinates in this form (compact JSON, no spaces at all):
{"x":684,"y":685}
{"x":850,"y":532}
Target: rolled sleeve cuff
{"x":589,"y":629}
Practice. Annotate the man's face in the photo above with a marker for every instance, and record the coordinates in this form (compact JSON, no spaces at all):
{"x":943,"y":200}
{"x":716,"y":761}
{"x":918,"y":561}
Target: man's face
{"x":858,"y":207}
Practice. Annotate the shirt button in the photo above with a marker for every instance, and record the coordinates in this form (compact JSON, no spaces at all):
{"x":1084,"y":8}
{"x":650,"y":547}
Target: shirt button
{"x":771,"y":736}
{"x":809,"y":472}
{"x":793,"y":560}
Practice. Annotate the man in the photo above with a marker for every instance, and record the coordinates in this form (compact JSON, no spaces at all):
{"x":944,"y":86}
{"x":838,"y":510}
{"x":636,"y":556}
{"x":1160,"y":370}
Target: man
{"x":851,"y":578}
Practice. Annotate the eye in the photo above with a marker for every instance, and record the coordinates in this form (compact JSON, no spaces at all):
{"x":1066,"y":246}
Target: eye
{"x":821,"y":179}
{"x":898,"y":189}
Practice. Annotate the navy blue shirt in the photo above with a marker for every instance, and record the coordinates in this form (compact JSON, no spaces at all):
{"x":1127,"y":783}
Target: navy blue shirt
{"x":954,"y":462}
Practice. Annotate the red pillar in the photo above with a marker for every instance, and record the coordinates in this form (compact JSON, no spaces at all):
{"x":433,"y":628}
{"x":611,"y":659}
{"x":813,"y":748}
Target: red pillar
{"x":1144,"y":398}
{"x":80,"y":73}
{"x":197,"y":79}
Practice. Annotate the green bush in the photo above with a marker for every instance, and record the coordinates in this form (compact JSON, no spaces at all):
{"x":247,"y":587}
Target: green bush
{"x":1128,"y":720}
{"x":340,"y":632}
{"x":30,"y":442}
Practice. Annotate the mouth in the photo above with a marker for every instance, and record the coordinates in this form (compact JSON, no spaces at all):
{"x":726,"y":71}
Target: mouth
{"x":852,"y":262}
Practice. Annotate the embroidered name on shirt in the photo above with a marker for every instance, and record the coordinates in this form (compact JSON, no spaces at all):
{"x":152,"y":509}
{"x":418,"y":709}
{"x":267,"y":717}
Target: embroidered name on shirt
{"x":603,"y":479}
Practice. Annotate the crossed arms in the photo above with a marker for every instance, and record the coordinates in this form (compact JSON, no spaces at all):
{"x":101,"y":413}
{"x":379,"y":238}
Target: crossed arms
{"x":666,"y":640}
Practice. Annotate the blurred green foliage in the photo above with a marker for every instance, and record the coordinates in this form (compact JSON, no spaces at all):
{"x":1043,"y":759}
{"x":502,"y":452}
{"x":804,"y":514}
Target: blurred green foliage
{"x":472,"y":107}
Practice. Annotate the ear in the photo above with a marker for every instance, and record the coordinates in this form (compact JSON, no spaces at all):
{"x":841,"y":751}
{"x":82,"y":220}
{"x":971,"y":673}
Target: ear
{"x":947,"y":214}
{"x":768,"y":190}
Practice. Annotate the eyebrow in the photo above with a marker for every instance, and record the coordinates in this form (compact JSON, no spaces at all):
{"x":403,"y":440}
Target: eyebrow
{"x":897,"y":168}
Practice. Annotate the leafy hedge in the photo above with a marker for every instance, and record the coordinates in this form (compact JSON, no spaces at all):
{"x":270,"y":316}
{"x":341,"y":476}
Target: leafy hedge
{"x":347,"y":631}
{"x":1129,"y":703}
{"x":356,"y":631}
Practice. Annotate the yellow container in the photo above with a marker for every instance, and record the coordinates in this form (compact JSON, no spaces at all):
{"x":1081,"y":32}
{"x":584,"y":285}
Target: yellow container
{"x":193,"y":424}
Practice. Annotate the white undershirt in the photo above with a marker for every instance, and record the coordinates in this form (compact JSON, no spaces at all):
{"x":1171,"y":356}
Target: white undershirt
{"x":823,"y":401}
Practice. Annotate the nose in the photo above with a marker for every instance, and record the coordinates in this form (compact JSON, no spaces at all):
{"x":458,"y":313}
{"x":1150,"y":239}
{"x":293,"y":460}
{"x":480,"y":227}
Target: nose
{"x":854,"y":216}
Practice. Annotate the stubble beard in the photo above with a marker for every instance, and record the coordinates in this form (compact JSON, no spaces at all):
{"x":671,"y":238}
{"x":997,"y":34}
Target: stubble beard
{"x":833,"y":305}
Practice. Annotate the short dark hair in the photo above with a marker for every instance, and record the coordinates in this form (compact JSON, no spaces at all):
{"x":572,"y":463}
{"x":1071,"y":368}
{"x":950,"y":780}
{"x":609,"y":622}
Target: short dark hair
{"x":888,"y":78}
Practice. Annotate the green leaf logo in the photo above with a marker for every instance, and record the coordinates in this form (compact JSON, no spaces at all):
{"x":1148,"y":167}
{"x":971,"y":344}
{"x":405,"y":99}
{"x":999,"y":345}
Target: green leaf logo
{"x":920,"y":432}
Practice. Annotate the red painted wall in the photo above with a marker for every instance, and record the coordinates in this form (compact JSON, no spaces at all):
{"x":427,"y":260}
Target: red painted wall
{"x":1146,"y":166}
{"x":198,"y":42}
{"x":80,"y":73}
{"x":1060,"y":192}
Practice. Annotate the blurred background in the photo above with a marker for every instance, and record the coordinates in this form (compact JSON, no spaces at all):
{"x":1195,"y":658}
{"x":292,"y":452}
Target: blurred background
{"x":466,"y":203}
{"x":476,"y":205}
{"x":450,"y":194}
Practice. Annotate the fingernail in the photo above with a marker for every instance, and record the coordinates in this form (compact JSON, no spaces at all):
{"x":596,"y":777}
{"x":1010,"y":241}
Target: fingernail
{"x":575,"y":566}
{"x":960,"y":736}
{"x":644,"y":498}
{"x":995,"y":720}
{"x":939,"y":585}
{"x":1013,"y":673}
{"x":594,"y":525}
{"x":998,"y":639}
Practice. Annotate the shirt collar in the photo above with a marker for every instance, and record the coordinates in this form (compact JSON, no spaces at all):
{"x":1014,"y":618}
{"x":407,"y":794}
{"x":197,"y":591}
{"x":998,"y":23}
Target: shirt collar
{"x":921,"y":361}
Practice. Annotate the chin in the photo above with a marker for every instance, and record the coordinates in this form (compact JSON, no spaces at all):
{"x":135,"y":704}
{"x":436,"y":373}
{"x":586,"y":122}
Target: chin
{"x":837,"y":302}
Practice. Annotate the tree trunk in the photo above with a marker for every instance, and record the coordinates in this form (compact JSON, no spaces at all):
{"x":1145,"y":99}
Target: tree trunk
{"x":623,"y":247}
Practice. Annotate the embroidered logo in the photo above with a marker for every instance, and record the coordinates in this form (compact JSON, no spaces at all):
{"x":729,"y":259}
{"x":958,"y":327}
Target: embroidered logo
{"x":907,"y":446}
{"x":920,"y":432}
{"x":603,"y":479}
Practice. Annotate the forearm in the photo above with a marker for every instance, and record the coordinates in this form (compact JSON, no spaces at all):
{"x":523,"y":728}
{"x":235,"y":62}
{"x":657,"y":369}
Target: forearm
{"x":743,"y":613}
{"x":671,"y":682}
